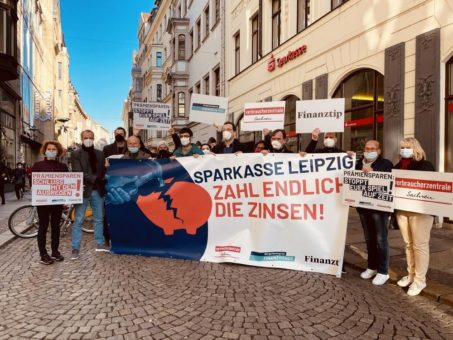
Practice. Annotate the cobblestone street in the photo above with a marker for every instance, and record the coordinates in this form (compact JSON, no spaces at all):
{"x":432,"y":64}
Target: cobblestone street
{"x":130,"y":297}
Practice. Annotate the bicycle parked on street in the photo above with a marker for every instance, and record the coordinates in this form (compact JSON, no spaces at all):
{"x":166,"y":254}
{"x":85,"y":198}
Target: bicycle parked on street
{"x":24,"y":221}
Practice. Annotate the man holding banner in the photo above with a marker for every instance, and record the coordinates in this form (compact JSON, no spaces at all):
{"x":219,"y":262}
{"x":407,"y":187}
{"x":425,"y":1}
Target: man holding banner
{"x":375,"y":222}
{"x":229,"y":142}
{"x":330,"y":141}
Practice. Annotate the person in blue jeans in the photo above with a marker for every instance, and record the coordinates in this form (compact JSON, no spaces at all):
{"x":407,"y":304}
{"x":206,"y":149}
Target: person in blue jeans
{"x":92,"y":163}
{"x":375,"y":222}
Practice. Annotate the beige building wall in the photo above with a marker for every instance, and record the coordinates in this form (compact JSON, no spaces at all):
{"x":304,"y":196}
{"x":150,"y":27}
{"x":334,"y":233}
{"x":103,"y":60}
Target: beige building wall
{"x":339,"y":42}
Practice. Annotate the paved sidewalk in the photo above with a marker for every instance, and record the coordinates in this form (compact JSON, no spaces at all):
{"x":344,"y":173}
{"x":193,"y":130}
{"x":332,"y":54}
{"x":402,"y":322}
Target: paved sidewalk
{"x":440,"y":273}
{"x":12,"y":203}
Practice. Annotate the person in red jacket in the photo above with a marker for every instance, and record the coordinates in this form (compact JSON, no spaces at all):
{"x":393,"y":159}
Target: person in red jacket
{"x":51,"y":151}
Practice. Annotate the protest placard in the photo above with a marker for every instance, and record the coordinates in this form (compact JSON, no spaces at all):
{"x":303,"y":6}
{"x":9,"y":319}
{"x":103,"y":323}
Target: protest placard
{"x":264,"y":115}
{"x":208,"y":109}
{"x":151,"y":116}
{"x":325,"y":114}
{"x":424,"y":192}
{"x":53,"y":188}
{"x":372,"y":190}
{"x":282,"y":211}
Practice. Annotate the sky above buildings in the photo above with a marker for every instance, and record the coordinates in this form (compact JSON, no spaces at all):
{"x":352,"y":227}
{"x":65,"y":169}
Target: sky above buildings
{"x":100,"y":36}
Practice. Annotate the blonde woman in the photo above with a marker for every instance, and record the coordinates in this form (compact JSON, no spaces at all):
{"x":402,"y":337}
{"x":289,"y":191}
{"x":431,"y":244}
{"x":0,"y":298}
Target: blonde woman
{"x":415,"y":228}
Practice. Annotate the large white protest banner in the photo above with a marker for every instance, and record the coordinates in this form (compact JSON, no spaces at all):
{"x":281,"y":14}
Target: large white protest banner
{"x":151,"y":116}
{"x":53,"y":188}
{"x":208,"y":109}
{"x":372,"y":190}
{"x":264,"y":115}
{"x":424,"y":192}
{"x":280,"y":211}
{"x":325,"y":114}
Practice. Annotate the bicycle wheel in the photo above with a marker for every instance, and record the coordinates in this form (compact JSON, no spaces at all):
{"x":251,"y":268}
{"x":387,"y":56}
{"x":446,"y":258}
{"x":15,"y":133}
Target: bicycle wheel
{"x":23,"y":222}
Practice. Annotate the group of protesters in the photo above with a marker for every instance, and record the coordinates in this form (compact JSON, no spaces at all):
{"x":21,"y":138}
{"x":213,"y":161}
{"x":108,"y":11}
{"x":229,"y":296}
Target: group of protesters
{"x":415,"y":227}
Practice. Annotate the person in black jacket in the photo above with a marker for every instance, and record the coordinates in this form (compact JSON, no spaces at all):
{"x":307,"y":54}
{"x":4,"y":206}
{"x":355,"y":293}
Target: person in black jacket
{"x":415,"y":227}
{"x":51,"y":150}
{"x":229,"y":142}
{"x":118,"y":147}
{"x":330,"y":141}
{"x":375,"y":222}
{"x":19,"y":175}
{"x":276,"y":142}
{"x":3,"y":174}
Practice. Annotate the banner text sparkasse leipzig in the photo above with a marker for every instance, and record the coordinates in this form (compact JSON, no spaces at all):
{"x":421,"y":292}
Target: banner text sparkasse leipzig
{"x":281,"y":211}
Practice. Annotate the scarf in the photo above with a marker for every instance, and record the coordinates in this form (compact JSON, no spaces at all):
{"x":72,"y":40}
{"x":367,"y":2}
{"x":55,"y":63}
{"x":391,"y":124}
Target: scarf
{"x":93,"y":158}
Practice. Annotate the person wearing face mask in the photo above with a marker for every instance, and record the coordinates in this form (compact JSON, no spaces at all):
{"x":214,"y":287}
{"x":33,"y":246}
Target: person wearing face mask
{"x":133,"y":149}
{"x":206,"y":148}
{"x":275,"y":142}
{"x":19,"y":175}
{"x":92,"y":163}
{"x":330,"y":141}
{"x":163,"y":151}
{"x":375,"y":222}
{"x":229,"y":142}
{"x":415,"y":227}
{"x":51,"y":151}
{"x":118,"y":147}
{"x":187,"y":148}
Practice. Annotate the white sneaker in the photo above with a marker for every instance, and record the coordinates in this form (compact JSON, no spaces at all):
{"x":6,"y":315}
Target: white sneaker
{"x":405,"y":282}
{"x":415,"y":288}
{"x":380,"y":279}
{"x":368,"y":274}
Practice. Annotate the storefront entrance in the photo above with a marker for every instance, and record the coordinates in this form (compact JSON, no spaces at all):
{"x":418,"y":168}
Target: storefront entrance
{"x":364,"y":108}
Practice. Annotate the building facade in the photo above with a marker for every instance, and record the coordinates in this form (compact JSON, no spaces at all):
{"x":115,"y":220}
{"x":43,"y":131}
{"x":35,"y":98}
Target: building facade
{"x":9,"y":83}
{"x":391,"y":61}
{"x":181,"y":51}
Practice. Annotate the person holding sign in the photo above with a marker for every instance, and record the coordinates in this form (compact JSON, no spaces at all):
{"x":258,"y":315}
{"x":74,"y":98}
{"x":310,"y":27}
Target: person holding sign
{"x":187,"y":148}
{"x":330,"y":141}
{"x":415,"y":227}
{"x":51,"y":151}
{"x":374,"y":222}
{"x":229,"y":142}
{"x":275,"y":142}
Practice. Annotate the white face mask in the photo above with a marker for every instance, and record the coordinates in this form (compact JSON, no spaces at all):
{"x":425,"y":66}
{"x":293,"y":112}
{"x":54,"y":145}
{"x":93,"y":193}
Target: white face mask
{"x":329,"y":142}
{"x":370,"y":156}
{"x":276,"y":144}
{"x":185,"y":141}
{"x":407,"y":153}
{"x":51,"y":154}
{"x":88,"y":142}
{"x":205,"y":151}
{"x":227,"y":135}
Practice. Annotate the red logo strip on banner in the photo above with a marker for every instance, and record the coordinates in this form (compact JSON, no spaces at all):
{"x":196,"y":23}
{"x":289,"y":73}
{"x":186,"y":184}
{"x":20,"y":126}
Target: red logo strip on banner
{"x":438,"y":186}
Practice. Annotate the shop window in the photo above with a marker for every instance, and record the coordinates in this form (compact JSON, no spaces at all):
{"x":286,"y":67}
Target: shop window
{"x":364,"y":107}
{"x":290,"y":122}
{"x":449,"y":117}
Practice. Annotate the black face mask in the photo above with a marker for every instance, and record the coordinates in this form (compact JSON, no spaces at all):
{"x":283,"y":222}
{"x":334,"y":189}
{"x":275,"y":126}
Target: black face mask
{"x":119,"y":138}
